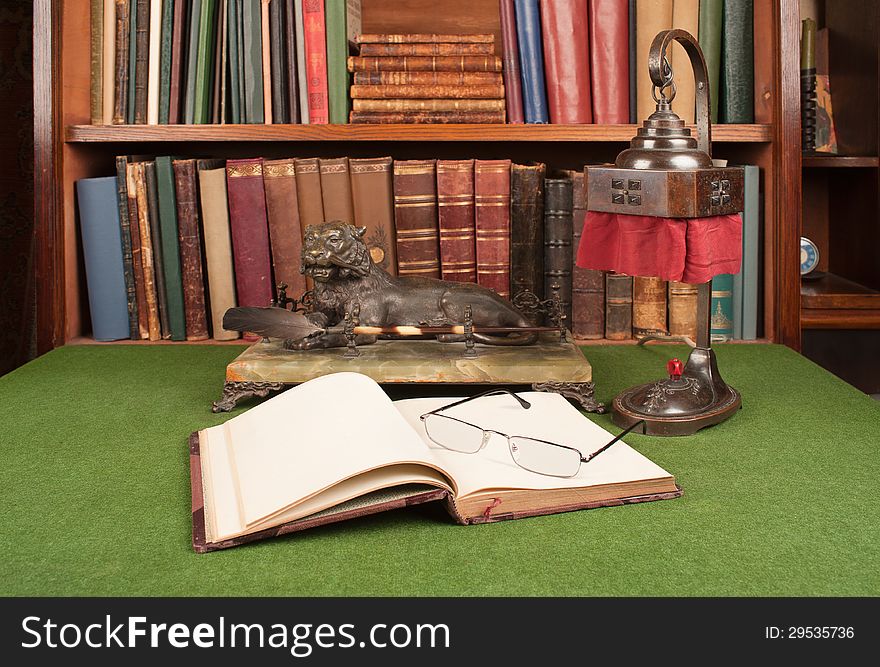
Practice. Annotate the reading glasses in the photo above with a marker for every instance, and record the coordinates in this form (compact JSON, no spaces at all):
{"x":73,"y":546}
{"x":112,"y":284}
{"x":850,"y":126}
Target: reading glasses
{"x":538,"y":456}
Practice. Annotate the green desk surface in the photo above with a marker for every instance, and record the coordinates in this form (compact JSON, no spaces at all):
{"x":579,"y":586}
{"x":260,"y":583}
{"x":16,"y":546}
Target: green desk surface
{"x":783,"y":499}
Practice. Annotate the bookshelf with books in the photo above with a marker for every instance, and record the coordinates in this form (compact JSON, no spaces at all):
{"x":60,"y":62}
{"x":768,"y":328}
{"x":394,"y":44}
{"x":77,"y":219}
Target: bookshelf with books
{"x":69,"y":148}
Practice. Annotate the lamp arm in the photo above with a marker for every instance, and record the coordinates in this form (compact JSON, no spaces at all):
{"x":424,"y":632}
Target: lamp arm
{"x":657,"y":63}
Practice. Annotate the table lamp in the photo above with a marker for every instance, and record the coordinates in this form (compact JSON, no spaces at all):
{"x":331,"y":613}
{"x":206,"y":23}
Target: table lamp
{"x":664,"y":210}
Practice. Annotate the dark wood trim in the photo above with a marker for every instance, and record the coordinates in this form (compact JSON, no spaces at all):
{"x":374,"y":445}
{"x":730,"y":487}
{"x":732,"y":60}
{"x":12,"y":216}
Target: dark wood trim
{"x":840,"y":161}
{"x":836,"y":318}
{"x":48,"y":226}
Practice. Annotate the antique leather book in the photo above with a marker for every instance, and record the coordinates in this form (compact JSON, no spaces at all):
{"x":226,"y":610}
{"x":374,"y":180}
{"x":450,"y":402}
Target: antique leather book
{"x":709,"y":31}
{"x":301,"y":69}
{"x":492,"y":224}
{"x":251,"y":76}
{"x":609,"y":60}
{"x":737,"y":96}
{"x":686,"y":16}
{"x":336,"y":189}
{"x":411,"y":117}
{"x":125,"y":237}
{"x":96,"y":61}
{"x":531,"y":61}
{"x":428,"y":92}
{"x":142,"y":58}
{"x":316,"y":61}
{"x":429,"y":49}
{"x":154,"y":41}
{"x":424,"y":64}
{"x":379,"y":458}
{"x":527,"y":229}
{"x":633,"y":39}
{"x":618,"y":306}
{"x":557,"y":241}
{"x":277,"y":43}
{"x":218,"y":248}
{"x":649,"y":306}
{"x":178,"y":61}
{"x":165,"y":56}
{"x":427,"y":105}
{"x":170,"y":248}
{"x":218,"y":86}
{"x":683,"y":310}
{"x":566,"y":42}
{"x":136,"y":244}
{"x":152,"y":189}
{"x":285,"y":235}
{"x":415,"y":218}
{"x":192,"y":277}
{"x":652,"y":16}
{"x":337,"y":56}
{"x":192,"y":61}
{"x":308,"y":191}
{"x":510,"y":57}
{"x":423,"y":38}
{"x":120,"y":105}
{"x":266,"y":60}
{"x":721,"y":313}
{"x":108,"y":61}
{"x":154,"y":327}
{"x":455,"y":220}
{"x":290,"y":66}
{"x":373,"y":197}
{"x":234,"y":38}
{"x":250,"y":232}
{"x":429,"y":78}
{"x":132,"y":60}
{"x":587,"y":285}
{"x":204,"y":66}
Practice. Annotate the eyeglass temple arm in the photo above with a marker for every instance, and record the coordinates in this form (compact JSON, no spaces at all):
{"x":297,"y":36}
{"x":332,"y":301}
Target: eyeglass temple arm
{"x":523,"y":402}
{"x":587,"y":459}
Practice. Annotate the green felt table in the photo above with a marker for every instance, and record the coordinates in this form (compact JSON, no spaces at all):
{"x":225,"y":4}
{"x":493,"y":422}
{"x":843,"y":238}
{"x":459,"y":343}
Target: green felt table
{"x":783,"y":499}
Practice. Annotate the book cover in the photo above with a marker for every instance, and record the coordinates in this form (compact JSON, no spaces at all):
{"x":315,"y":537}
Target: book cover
{"x":609,"y":60}
{"x":685,"y":16}
{"x":566,"y":48}
{"x":721,"y":308}
{"x":177,"y":81}
{"x":102,"y":256}
{"x":337,"y":60}
{"x":136,"y":248}
{"x":336,"y":189}
{"x":205,"y":63}
{"x":285,"y":234}
{"x":189,"y":239}
{"x":527,"y":229}
{"x":96,"y":61}
{"x":414,"y":117}
{"x":652,"y":16}
{"x":751,"y":263}
{"x":618,"y":306}
{"x":266,"y":59}
{"x":152,"y":189}
{"x":251,"y":79}
{"x":683,"y":310}
{"x":132,"y":60}
{"x":192,"y":62}
{"x":125,"y":238}
{"x":151,"y":294}
{"x":492,"y":224}
{"x":120,"y":87}
{"x":291,"y":87}
{"x":587,"y":285}
{"x":531,"y":61}
{"x":557,"y":242}
{"x":648,"y":307}
{"x":633,"y":54}
{"x":385,"y":91}
{"x":429,"y":78}
{"x":711,"y":14}
{"x":233,"y":35}
{"x":165,"y":57}
{"x":428,"y":49}
{"x":278,"y":58}
{"x":425,"y":64}
{"x":170,"y":248}
{"x":142,"y":60}
{"x":455,"y":220}
{"x":373,"y":197}
{"x":308,"y":191}
{"x":415,"y":218}
{"x":316,"y":60}
{"x":302,"y":79}
{"x":394,"y":105}
{"x":218,"y":85}
{"x":423,"y":38}
{"x":737,"y":94}
{"x":108,"y":61}
{"x":153,"y":75}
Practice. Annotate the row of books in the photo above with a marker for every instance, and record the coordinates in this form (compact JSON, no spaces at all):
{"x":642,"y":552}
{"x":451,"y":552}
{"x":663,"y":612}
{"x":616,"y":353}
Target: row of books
{"x":569,"y":61}
{"x":170,"y":244}
{"x":221,"y":61}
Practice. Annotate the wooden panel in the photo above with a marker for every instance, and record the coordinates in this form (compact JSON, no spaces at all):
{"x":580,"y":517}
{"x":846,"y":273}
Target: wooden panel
{"x":815,"y":213}
{"x":832,"y":291}
{"x":850,"y":355}
{"x":853,"y":225}
{"x":837,"y":318}
{"x":839,"y":161}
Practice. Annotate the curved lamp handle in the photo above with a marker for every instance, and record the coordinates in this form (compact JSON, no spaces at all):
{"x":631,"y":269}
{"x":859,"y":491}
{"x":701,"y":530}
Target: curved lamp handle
{"x":661,"y":77}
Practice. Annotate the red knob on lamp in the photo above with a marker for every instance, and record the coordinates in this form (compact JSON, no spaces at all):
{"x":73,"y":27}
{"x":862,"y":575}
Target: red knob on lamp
{"x":675,"y":368}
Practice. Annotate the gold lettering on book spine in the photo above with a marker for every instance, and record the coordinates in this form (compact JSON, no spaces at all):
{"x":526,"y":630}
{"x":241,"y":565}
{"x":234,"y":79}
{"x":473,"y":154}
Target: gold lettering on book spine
{"x":246,"y":169}
{"x":279,"y":170}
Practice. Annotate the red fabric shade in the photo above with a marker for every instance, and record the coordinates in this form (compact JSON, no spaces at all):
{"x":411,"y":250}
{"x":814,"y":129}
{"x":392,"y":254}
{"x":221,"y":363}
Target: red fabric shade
{"x":689,"y":250}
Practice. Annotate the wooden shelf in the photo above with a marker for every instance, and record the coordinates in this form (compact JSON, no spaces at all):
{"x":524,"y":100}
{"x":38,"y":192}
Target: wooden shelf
{"x":469,"y":133}
{"x":840,"y":161}
{"x":832,"y":302}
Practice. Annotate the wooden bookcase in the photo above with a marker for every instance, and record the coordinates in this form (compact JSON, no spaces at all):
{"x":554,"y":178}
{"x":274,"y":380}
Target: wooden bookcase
{"x":66,"y":148}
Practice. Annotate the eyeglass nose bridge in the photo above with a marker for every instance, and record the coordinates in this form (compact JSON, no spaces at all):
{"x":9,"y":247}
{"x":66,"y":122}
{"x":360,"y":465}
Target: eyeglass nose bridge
{"x":487,"y":435}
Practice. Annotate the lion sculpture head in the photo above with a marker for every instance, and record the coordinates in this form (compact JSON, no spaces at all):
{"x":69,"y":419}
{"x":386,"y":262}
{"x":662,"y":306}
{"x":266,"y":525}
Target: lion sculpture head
{"x":334,"y":250}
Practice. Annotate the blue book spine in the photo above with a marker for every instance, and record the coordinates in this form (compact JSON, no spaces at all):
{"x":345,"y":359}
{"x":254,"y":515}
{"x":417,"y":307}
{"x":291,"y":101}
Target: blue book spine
{"x":751,"y":251}
{"x":102,"y":252}
{"x":721,"y":328}
{"x":531,"y":61}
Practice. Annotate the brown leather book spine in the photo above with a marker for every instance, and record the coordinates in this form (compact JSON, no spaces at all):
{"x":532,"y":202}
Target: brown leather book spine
{"x":566,"y":61}
{"x":527,"y":229}
{"x":492,"y":223}
{"x":415,"y":218}
{"x":153,"y":323}
{"x":423,"y":38}
{"x":510,"y":55}
{"x":424,"y":64}
{"x":649,"y":307}
{"x":120,"y":94}
{"x":557,"y":241}
{"x":682,"y":309}
{"x":587,"y":285}
{"x":178,"y":59}
{"x":429,"y":49}
{"x":427,"y":78}
{"x":381,"y":92}
{"x":96,"y":65}
{"x":285,"y":235}
{"x":336,"y":189}
{"x":136,"y":262}
{"x":618,"y":306}
{"x":142,"y":58}
{"x":427,"y":105}
{"x":152,"y":189}
{"x":416,"y":117}
{"x":373,"y":197}
{"x":308,"y":191}
{"x":188,"y":236}
{"x":455,"y":220}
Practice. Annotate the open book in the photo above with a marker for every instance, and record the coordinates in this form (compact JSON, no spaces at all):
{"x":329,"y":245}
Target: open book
{"x":338,"y":447}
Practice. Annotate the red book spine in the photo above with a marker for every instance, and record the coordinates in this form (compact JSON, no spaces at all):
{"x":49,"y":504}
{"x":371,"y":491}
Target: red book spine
{"x":316,"y":60}
{"x":609,"y":60}
{"x":492,"y":222}
{"x":249,"y":227}
{"x":567,"y":61}
{"x":455,"y":213}
{"x":510,"y":60}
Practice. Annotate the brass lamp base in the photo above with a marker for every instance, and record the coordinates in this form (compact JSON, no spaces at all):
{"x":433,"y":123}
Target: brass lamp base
{"x":679,"y":405}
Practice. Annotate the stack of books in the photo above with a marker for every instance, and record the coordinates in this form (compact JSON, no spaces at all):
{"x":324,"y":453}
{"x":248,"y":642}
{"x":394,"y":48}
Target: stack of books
{"x":421,"y":78}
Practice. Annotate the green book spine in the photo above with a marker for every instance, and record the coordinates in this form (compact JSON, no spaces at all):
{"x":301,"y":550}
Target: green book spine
{"x":132,"y":60}
{"x":232,"y":27}
{"x":737,"y":102}
{"x":189,"y":105}
{"x":170,"y":251}
{"x":751,"y":261}
{"x":711,"y":15}
{"x":721,"y":327}
{"x":205,"y":62}
{"x":156,"y":238}
{"x":252,"y":52}
{"x":165,"y":60}
{"x":337,"y":61}
{"x":738,"y":304}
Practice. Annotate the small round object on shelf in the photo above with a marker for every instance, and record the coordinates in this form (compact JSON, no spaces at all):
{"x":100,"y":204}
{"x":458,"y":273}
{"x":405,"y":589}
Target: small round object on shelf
{"x":809,"y":256}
